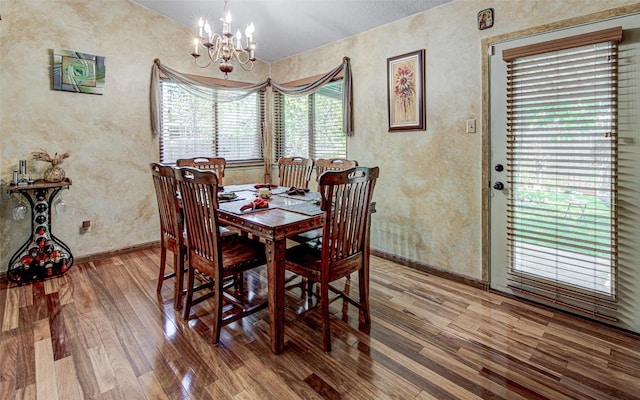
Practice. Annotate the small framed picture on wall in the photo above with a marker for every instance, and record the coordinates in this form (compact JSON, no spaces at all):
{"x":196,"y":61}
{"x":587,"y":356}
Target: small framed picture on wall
{"x":485,"y":19}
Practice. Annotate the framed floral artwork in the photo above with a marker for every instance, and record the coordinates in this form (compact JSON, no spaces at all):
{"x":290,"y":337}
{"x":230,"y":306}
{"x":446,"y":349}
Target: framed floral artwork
{"x":405,"y":92}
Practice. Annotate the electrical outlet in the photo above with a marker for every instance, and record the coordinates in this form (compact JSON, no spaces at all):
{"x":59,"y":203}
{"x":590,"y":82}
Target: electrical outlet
{"x":85,"y":227}
{"x":471,"y":125}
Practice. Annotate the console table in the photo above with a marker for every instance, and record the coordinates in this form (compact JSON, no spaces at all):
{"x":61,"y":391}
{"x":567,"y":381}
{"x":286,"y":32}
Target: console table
{"x":42,"y":255}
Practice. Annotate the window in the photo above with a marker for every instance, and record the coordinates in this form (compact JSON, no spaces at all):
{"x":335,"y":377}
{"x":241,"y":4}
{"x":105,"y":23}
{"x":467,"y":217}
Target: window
{"x":310,"y":126}
{"x":561,"y":166}
{"x":193,"y":125}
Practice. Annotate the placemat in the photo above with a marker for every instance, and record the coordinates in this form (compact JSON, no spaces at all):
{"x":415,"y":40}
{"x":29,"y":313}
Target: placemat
{"x":279,"y":190}
{"x":234,"y":207}
{"x":308,"y":196}
{"x":230,"y":200}
{"x":307,"y":207}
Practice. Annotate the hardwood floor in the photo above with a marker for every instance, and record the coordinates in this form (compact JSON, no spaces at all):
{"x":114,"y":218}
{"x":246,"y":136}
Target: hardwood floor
{"x":101,"y":332}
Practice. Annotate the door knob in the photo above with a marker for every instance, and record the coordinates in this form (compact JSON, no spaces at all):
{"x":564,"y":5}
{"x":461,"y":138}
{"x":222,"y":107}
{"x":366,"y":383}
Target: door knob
{"x":499,"y":167}
{"x":498,"y":185}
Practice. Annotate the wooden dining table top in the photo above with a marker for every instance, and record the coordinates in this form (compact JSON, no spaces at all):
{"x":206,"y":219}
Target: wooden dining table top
{"x":286,"y":216}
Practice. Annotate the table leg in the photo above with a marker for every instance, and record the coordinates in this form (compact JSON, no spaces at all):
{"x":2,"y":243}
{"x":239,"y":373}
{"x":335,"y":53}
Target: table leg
{"x":275,"y":276}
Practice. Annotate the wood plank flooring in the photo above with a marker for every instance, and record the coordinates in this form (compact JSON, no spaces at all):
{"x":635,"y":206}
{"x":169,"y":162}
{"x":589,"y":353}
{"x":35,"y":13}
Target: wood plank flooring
{"x":101,"y":332}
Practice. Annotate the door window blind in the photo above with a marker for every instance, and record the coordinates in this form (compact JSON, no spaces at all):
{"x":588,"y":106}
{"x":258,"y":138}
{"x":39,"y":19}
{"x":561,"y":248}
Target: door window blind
{"x":561,"y":168}
{"x":196,"y":125}
{"x":310,"y":126}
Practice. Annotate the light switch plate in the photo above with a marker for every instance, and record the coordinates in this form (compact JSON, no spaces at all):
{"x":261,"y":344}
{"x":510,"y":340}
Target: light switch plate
{"x":471,"y":125}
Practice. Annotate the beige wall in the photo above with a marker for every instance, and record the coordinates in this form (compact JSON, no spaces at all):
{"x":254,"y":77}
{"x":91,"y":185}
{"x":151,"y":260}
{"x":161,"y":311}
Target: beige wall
{"x":109,"y":136}
{"x":429,"y":196}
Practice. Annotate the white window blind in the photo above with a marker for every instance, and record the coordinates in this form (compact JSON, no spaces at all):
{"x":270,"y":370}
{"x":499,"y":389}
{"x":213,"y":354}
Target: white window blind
{"x":310,"y":126}
{"x":197,"y":126}
{"x":561,"y":168}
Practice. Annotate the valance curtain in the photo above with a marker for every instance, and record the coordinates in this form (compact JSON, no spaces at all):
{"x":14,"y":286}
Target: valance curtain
{"x":347,"y":98}
{"x":201,"y":88}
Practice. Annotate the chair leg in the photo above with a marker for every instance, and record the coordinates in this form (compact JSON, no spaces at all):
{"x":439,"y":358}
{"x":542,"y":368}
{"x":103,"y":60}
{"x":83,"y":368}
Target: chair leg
{"x":189,"y":297}
{"x":178,"y":263}
{"x":309,"y":288}
{"x":363,"y":283}
{"x":239,"y":283}
{"x":217,"y":309}
{"x":163,"y":263}
{"x":324,"y":308}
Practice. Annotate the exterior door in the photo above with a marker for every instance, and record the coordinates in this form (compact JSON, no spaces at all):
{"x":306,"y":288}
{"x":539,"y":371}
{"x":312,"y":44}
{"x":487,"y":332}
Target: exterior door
{"x":548,"y":206}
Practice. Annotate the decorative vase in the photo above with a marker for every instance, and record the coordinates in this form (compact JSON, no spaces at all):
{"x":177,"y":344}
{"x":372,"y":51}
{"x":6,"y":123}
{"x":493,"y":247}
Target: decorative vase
{"x":54,"y":174}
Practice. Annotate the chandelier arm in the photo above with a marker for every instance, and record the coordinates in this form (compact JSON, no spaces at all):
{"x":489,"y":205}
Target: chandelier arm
{"x":215,"y":53}
{"x":207,"y":65}
{"x":247,"y":66}
{"x":238,"y":56}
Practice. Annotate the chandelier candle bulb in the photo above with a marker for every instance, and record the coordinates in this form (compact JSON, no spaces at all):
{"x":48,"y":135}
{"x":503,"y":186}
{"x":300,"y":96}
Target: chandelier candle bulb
{"x":226,"y":24}
{"x":196,"y":42}
{"x":249,"y":32}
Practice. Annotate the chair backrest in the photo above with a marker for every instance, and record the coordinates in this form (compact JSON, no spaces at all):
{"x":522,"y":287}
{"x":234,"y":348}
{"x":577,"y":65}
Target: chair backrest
{"x":346,"y":199}
{"x":295,"y":171}
{"x":333,"y":164}
{"x":199,"y":193}
{"x":216,"y":164}
{"x":168,"y":206}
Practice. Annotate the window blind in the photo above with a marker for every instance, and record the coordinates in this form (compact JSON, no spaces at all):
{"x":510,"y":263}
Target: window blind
{"x":310,"y":126}
{"x":561,"y":168}
{"x":196,"y":125}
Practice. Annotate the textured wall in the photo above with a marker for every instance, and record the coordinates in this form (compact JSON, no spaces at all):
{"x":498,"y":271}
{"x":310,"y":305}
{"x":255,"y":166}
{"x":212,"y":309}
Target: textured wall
{"x":429,"y":194}
{"x":109,"y":136}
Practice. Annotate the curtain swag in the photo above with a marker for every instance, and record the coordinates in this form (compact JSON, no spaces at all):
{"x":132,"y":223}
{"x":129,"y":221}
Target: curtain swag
{"x":204,"y":88}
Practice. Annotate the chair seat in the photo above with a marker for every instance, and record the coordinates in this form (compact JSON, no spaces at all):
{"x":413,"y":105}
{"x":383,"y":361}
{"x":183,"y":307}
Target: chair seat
{"x":306,"y":261}
{"x":240,"y":253}
{"x":309,"y":259}
{"x":309,"y":235}
{"x":311,"y":239}
{"x":226,"y":232}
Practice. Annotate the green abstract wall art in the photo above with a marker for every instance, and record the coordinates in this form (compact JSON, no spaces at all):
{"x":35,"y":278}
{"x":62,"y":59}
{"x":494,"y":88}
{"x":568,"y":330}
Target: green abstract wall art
{"x":78,"y":72}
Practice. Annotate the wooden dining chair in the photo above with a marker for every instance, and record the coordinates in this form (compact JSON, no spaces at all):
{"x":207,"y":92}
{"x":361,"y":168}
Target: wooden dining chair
{"x":295,"y":171}
{"x":346,"y":200}
{"x":312,"y":238}
{"x":209,"y":255}
{"x":215,"y":164}
{"x":171,"y":229}
{"x":333,"y":164}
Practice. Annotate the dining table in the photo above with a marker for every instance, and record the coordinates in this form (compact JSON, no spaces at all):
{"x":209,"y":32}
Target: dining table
{"x":288,"y":214}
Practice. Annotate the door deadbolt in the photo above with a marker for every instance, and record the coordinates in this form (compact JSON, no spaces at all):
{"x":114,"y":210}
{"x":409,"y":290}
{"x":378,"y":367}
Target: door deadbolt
{"x":498,"y":185}
{"x":499,"y":167}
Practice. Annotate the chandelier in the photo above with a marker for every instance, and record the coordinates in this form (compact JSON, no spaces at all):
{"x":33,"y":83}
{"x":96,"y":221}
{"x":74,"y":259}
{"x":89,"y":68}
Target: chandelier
{"x":224,"y":47}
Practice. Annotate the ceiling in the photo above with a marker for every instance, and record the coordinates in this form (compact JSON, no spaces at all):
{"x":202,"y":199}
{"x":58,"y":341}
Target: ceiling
{"x":288,"y":27}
